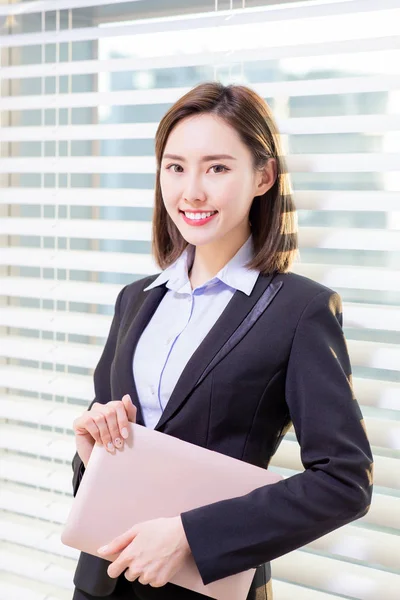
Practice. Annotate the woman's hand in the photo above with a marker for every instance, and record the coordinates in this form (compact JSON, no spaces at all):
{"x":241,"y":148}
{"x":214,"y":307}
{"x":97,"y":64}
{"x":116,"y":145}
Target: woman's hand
{"x":104,"y":424}
{"x":151,"y":551}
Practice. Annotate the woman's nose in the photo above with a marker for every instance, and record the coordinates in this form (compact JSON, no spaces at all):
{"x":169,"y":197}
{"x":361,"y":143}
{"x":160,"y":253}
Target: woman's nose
{"x":193,"y":191}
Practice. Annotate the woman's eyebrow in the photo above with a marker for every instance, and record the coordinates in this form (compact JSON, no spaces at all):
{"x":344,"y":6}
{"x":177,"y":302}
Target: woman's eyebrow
{"x":203,"y":158}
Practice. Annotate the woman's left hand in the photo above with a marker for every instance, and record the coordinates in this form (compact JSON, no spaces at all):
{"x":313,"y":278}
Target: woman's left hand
{"x":151,"y":551}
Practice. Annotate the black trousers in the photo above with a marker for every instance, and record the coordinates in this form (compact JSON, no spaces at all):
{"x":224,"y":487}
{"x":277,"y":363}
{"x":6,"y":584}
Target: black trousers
{"x":261,"y":589}
{"x":128,"y":590}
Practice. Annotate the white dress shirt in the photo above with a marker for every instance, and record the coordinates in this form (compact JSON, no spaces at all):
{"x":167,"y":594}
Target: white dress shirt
{"x":180,"y":323}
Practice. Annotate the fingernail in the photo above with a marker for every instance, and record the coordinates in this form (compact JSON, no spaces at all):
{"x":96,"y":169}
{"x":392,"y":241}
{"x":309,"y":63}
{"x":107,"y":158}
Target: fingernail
{"x":128,"y":396}
{"x":110,"y":446}
{"x":102,"y":549}
{"x":124,"y":432}
{"x":118,"y":442}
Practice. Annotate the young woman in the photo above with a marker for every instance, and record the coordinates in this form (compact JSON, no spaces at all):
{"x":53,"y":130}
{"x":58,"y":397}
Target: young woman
{"x":226,"y":348}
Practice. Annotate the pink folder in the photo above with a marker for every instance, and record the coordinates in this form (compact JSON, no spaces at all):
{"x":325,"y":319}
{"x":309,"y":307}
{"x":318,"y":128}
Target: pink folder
{"x":158,"y":475}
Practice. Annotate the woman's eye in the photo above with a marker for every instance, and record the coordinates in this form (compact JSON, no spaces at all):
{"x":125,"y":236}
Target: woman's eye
{"x":216,"y":166}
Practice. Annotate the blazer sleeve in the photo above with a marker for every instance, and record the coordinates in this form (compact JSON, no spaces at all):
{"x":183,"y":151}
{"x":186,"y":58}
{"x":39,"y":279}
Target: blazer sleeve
{"x":102,"y":384}
{"x":240,"y":533}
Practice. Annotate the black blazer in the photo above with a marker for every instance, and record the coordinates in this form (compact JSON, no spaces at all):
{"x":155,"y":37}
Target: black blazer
{"x":273,"y":358}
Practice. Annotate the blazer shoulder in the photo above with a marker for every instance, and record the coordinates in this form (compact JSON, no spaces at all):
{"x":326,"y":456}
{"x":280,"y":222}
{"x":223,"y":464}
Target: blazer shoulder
{"x":304,"y":286}
{"x":300,"y":293}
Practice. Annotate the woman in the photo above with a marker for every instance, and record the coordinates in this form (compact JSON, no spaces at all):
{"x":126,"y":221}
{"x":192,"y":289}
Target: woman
{"x":226,"y":349}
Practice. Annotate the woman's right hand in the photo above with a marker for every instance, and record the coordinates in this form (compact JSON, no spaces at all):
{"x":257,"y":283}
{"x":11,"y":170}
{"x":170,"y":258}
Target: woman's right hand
{"x":104,"y":424}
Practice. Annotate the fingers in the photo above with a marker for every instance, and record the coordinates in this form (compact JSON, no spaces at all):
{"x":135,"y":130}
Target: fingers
{"x":119,"y":543}
{"x":110,"y":415}
{"x":119,"y":565}
{"x":152,"y":579}
{"x":101,"y":421}
{"x":108,"y":424}
{"x":83,"y":425}
{"x":133,"y":574}
{"x":122,"y":419}
{"x":130,"y":408}
{"x":102,"y":427}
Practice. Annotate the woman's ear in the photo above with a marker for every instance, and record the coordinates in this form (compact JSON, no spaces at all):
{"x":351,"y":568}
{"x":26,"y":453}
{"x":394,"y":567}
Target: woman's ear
{"x":266,"y":177}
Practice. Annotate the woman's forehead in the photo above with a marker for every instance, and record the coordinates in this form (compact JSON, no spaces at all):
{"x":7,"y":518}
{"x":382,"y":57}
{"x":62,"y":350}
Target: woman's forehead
{"x":203,"y":136}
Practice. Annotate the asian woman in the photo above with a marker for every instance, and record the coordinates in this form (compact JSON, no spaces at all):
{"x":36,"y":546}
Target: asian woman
{"x":226,"y":348}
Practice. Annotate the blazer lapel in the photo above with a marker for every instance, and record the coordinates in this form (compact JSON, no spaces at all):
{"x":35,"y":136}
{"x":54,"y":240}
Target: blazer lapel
{"x":139,"y":315}
{"x":239,"y":315}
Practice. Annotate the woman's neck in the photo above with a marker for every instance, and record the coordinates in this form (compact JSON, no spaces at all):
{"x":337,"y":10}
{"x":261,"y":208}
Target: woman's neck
{"x":211,"y":258}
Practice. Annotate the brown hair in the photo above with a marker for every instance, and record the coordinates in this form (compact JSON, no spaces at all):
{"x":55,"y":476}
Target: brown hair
{"x":272,"y":215}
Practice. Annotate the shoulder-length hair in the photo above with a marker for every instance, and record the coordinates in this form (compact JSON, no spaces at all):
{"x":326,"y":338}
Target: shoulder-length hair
{"x":272,"y":216}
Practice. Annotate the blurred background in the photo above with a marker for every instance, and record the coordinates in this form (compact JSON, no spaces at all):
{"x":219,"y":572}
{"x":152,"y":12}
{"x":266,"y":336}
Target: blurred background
{"x":84,"y":84}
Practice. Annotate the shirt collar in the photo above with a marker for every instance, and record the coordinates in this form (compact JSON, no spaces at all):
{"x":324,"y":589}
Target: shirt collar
{"x":234,"y":274}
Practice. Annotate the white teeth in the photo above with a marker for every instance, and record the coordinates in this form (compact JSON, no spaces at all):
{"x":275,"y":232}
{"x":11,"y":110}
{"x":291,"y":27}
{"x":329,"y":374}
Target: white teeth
{"x":198,"y":216}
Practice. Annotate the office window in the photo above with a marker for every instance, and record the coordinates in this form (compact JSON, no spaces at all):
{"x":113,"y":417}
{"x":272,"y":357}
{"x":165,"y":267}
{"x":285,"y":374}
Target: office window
{"x":83,"y":87}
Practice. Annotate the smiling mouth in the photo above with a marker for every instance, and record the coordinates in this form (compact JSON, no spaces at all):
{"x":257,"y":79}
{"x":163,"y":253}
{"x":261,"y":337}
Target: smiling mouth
{"x":198,"y":218}
{"x":203,"y":212}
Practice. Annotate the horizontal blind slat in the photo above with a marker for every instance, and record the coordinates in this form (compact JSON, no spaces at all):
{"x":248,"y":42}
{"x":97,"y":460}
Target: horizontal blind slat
{"x":371,"y":316}
{"x":270,"y":15}
{"x":20,"y":588}
{"x":39,"y":412}
{"x":287,"y":591}
{"x":79,"y":196}
{"x":365,"y":545}
{"x":109,"y":262}
{"x":384,"y":512}
{"x":17,"y":438}
{"x":271,"y":89}
{"x":78,"y":228}
{"x":40,"y":536}
{"x":375,"y":355}
{"x":81,"y":67}
{"x":336,"y":576}
{"x":38,"y":504}
{"x":65,"y":290}
{"x":124,"y":131}
{"x":47,"y":569}
{"x":343,"y":276}
{"x":39,"y":6}
{"x":52,"y":351}
{"x":47,"y":381}
{"x":28,"y":471}
{"x":274,"y":12}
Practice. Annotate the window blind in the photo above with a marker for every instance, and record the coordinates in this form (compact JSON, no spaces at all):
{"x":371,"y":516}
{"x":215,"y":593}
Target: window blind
{"x":83,"y":85}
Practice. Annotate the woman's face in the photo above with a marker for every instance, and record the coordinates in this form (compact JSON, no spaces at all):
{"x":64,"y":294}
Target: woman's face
{"x":194,"y":184}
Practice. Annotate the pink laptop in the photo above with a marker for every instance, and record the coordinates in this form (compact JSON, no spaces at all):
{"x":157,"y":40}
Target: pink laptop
{"x":158,"y":475}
